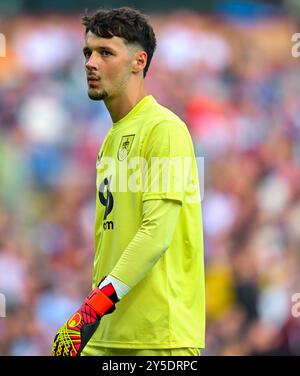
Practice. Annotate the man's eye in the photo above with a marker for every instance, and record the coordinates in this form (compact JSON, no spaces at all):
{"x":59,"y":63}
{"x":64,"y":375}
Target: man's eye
{"x":87,"y":54}
{"x":106,"y":53}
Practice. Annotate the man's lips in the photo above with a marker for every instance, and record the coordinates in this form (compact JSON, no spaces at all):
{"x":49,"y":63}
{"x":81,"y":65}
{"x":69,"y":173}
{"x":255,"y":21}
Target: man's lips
{"x":92,"y":80}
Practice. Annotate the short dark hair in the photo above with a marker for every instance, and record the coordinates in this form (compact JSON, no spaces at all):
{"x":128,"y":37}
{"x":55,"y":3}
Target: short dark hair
{"x":125,"y":22}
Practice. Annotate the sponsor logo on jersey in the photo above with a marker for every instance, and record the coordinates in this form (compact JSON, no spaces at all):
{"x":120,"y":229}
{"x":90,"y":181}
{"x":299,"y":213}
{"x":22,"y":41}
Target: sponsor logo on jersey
{"x":107,"y":200}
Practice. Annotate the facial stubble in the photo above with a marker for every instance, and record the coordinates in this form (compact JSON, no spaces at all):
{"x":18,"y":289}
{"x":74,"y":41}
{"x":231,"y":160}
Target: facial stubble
{"x":97,"y":95}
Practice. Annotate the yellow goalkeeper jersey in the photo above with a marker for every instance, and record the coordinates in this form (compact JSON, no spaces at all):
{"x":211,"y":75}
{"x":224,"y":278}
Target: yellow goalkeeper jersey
{"x":146,"y":155}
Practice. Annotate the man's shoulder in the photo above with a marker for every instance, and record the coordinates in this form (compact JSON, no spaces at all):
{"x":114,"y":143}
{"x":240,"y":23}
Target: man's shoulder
{"x":164,"y":113}
{"x":162,"y":116}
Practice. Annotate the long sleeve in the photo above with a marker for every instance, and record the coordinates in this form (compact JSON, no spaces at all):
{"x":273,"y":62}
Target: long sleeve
{"x":150,"y":242}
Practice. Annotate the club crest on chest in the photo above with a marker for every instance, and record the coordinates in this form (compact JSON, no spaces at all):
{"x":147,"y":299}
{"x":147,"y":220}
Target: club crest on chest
{"x":125,"y":146}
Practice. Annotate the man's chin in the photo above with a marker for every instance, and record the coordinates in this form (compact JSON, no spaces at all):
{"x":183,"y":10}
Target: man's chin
{"x":97,"y":95}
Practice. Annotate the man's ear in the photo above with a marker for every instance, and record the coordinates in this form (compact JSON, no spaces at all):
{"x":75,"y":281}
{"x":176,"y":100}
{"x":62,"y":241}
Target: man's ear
{"x":139,"y":62}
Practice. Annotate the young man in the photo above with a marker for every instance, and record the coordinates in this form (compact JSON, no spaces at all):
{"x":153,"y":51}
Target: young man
{"x":148,"y":270}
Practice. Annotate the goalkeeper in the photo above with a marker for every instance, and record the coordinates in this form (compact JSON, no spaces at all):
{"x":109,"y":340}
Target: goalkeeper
{"x":148,"y":280}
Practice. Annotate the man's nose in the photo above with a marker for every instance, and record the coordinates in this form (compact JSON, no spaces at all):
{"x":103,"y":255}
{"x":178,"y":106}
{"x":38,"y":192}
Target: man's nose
{"x":91,"y":63}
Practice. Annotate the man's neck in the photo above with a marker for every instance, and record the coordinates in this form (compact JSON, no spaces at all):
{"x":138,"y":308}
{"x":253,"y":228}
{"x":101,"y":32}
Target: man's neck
{"x":121,"y":105}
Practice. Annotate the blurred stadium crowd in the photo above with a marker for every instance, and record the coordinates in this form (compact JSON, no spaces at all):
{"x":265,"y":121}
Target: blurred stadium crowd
{"x":237,"y":86}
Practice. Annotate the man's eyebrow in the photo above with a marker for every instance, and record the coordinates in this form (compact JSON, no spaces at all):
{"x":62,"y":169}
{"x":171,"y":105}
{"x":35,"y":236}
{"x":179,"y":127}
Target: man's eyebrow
{"x":87,"y":49}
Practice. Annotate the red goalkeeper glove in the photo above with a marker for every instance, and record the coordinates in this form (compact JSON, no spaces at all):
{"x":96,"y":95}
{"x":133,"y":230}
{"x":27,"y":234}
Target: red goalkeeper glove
{"x":77,"y":331}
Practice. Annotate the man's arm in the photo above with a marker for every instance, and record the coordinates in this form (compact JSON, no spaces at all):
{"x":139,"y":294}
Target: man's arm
{"x":150,"y":242}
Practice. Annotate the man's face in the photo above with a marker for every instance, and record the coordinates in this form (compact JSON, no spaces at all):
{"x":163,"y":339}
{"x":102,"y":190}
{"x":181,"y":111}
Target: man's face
{"x":108,"y":66}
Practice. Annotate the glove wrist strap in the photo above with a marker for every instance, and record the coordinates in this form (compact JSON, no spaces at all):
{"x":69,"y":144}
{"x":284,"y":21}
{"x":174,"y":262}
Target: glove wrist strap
{"x":99,"y":302}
